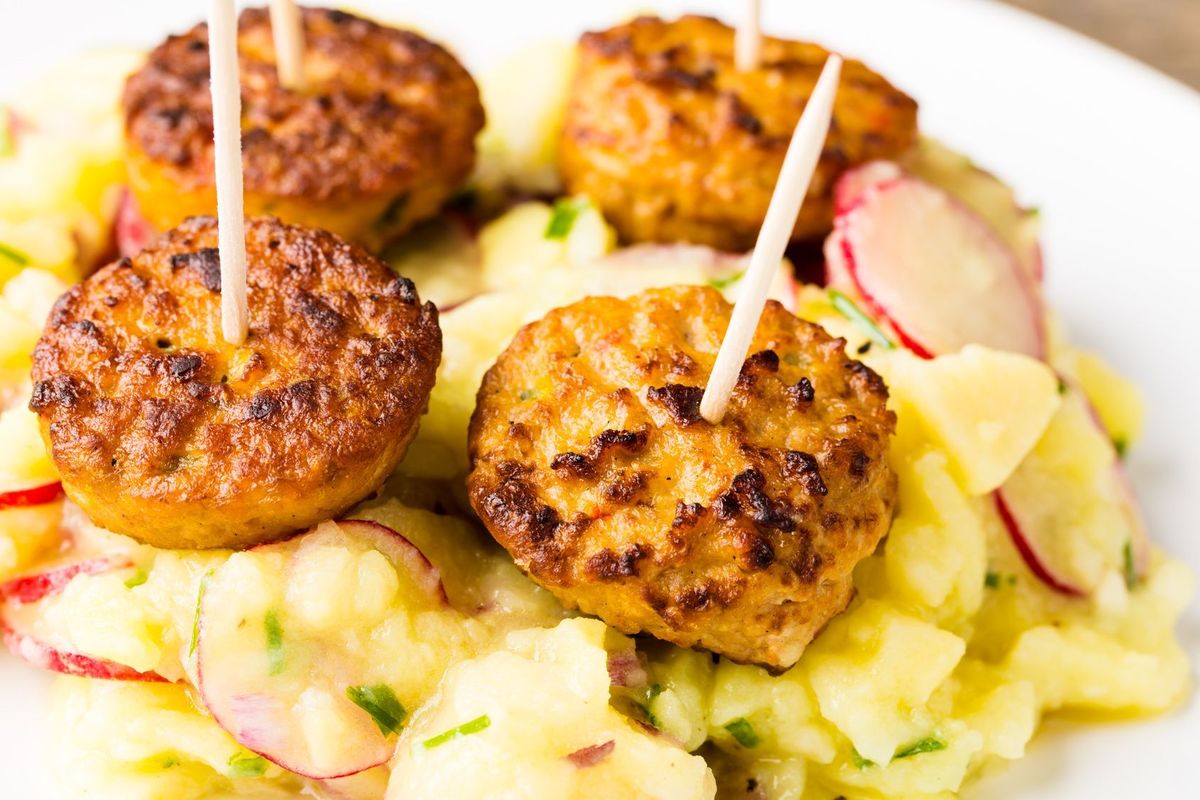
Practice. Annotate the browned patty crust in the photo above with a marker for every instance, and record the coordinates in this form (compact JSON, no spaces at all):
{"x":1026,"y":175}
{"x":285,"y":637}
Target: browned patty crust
{"x":381,"y":136}
{"x":163,"y":431}
{"x":592,"y":466}
{"x":675,"y":144}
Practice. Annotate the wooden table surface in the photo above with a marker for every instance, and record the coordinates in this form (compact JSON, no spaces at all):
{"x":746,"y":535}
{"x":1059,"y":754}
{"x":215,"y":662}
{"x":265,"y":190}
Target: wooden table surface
{"x":1163,"y":33}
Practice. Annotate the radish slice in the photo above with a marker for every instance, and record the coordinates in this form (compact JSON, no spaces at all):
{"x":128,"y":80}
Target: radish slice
{"x":936,"y":272}
{"x":1069,"y":509}
{"x":299,"y":644}
{"x":133,"y":232}
{"x":986,"y":195}
{"x":46,"y":657}
{"x":856,"y":182}
{"x":30,"y":588}
{"x":33,"y":496}
{"x":20,"y":611}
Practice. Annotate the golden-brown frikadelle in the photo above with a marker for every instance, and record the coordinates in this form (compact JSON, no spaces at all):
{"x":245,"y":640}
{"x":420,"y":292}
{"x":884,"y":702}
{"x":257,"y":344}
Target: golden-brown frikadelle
{"x":383,"y":134}
{"x":673,"y":143}
{"x":592,"y":466}
{"x":163,"y":431}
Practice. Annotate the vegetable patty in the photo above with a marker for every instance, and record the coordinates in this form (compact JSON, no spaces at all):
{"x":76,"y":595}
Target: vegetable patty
{"x":592,"y":465}
{"x":673,"y":143}
{"x":383,"y":134}
{"x":163,"y":431}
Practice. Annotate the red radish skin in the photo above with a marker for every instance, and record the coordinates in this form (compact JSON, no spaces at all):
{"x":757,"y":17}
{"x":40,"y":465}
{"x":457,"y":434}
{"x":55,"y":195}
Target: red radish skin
{"x":1030,"y":556}
{"x":133,"y":232}
{"x":851,"y":187}
{"x":30,"y":588}
{"x":43,"y":656}
{"x":624,"y":669}
{"x":400,"y":550}
{"x":34,"y":496}
{"x":891,"y":240}
{"x":259,"y":720}
{"x":591,"y":756}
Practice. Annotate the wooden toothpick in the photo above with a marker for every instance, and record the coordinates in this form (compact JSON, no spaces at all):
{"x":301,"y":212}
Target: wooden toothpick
{"x":288,"y":34}
{"x":747,"y":41}
{"x":227,"y":139}
{"x":798,"y":165}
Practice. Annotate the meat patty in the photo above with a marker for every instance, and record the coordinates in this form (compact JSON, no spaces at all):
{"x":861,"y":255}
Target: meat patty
{"x":673,"y":143}
{"x":163,"y":431}
{"x":592,"y":466}
{"x":382,"y":136}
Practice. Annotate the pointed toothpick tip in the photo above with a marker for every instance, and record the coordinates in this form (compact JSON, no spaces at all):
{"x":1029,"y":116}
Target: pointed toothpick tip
{"x":808,"y":140}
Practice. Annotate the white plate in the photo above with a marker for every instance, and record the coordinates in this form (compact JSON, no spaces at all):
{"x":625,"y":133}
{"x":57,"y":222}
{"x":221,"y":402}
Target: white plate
{"x":1109,"y":149}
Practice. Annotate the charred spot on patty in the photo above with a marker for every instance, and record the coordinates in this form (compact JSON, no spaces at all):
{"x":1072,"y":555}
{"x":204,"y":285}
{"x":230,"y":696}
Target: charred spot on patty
{"x":681,"y":402}
{"x":204,"y":265}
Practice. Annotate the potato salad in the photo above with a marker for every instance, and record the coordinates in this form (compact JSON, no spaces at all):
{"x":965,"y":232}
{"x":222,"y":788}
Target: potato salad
{"x":397,"y":651}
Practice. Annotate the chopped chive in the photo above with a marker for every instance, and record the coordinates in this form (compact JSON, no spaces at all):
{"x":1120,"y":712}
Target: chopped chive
{"x":274,"y":633}
{"x":741,"y":730}
{"x":14,"y":255}
{"x":138,"y":579}
{"x":1062,"y":386}
{"x":1131,"y":578}
{"x":196,"y":619}
{"x":848,"y":309}
{"x":527,"y":394}
{"x":562,"y":219}
{"x":992,"y":580}
{"x":466,"y":729}
{"x":654,"y":691}
{"x":725,"y":283}
{"x":859,"y":761}
{"x":380,"y":702}
{"x":1121,"y":445}
{"x":927,"y":745}
{"x":246,"y":766}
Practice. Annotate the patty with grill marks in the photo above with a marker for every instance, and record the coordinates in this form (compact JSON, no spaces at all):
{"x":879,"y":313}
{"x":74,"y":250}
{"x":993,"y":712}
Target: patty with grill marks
{"x":163,"y":431}
{"x":673,"y":143}
{"x":592,"y":466}
{"x":381,"y":136}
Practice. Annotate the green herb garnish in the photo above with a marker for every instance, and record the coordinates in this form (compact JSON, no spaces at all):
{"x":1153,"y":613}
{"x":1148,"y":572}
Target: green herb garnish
{"x":380,"y":702}
{"x":654,"y":691}
{"x":138,"y":579}
{"x":741,"y":730}
{"x":848,"y":309}
{"x":196,"y":619}
{"x":1131,"y":578}
{"x":246,"y":766}
{"x":466,"y":729}
{"x":859,"y":761}
{"x":1121,"y":445}
{"x":992,"y":580}
{"x":274,"y":633}
{"x":927,"y":745}
{"x":1062,"y":386}
{"x":14,"y":255}
{"x":562,"y":219}
{"x":725,"y":283}
{"x":527,"y":394}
